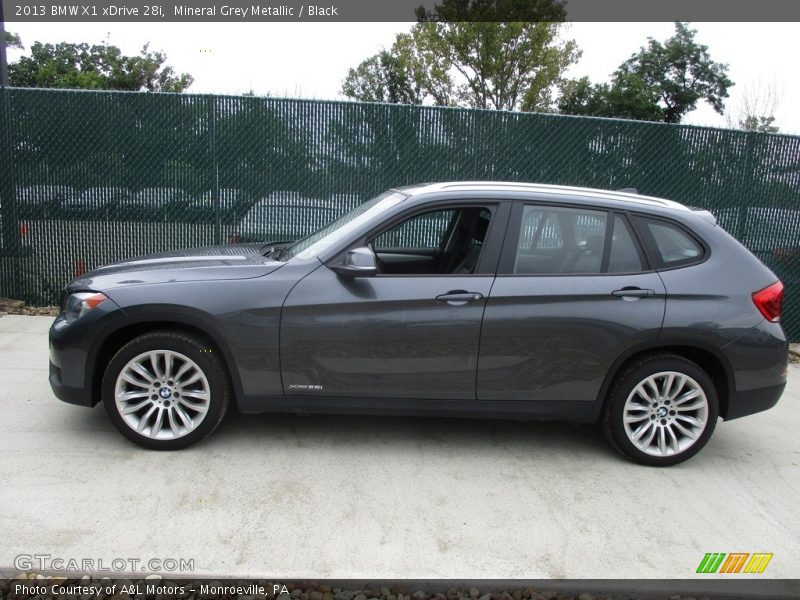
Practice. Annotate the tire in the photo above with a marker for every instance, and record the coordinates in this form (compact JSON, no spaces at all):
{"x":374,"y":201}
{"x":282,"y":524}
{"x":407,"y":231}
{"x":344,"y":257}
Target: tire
{"x":189,"y":402}
{"x":663,"y":429}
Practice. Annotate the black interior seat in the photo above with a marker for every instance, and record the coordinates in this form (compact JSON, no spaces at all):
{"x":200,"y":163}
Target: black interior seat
{"x":477,"y":228}
{"x":586,"y":260}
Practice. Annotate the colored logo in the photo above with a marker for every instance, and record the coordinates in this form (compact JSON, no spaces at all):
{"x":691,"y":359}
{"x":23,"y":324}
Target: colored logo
{"x":735,"y":562}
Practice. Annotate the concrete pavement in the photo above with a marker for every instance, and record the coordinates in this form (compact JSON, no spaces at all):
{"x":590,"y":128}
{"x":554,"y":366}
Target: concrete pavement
{"x":363,"y":497}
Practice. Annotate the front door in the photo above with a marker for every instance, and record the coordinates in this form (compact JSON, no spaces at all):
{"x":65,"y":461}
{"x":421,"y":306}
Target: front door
{"x":413,"y":330}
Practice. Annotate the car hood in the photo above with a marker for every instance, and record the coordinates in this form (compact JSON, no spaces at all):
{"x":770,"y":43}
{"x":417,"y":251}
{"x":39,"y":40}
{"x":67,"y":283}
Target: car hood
{"x":241,"y":261}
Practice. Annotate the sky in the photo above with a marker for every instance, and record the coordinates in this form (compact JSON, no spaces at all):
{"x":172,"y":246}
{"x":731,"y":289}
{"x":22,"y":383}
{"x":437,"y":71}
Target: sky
{"x":309,"y":60}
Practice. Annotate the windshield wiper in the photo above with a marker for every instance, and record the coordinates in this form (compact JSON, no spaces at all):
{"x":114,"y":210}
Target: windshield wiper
{"x":275,"y":249}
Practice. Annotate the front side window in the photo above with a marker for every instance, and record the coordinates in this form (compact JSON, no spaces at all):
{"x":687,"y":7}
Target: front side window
{"x":437,"y":242}
{"x":424,"y":231}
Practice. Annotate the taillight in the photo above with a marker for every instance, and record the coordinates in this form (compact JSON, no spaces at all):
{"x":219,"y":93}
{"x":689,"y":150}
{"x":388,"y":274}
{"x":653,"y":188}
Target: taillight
{"x":768,"y":301}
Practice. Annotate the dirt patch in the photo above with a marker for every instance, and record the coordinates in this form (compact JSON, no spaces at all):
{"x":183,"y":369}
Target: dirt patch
{"x":9,"y":306}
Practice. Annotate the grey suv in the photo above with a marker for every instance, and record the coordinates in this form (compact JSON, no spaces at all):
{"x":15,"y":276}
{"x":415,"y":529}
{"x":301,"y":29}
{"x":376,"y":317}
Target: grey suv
{"x":451,"y":299}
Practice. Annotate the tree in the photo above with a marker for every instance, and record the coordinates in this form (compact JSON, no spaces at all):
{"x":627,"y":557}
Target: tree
{"x":98,"y":67}
{"x":385,"y":77}
{"x":629,"y":100}
{"x":661,"y":82}
{"x":477,"y":61}
{"x":756,"y":112}
{"x":487,"y":11}
{"x":13,"y":41}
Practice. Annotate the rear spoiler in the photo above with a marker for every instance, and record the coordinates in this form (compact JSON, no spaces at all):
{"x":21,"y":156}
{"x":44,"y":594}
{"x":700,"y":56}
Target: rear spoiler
{"x":706,"y":214}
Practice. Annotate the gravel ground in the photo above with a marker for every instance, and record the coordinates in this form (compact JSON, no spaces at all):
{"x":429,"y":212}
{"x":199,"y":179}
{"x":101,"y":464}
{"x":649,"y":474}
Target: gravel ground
{"x":18,"y":307}
{"x":154,"y":587}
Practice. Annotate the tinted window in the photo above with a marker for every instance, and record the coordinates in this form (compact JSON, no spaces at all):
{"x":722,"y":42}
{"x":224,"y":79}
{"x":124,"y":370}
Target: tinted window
{"x":560,"y":240}
{"x":423,"y":231}
{"x":671,"y":244}
{"x":540,"y":229}
{"x":440,"y":242}
{"x":624,"y":256}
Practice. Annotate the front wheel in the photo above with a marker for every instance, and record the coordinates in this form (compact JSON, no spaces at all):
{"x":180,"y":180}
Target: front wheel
{"x":661,"y":410}
{"x":166,"y":390}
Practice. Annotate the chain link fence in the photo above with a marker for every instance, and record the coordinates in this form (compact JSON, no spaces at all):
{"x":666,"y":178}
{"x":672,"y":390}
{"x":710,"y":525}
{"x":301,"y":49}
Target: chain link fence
{"x":93,"y":177}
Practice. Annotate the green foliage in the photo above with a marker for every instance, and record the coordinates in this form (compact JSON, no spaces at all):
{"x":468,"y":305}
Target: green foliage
{"x":96,"y":67}
{"x":628,"y":98}
{"x":385,"y":77}
{"x":762,"y":124}
{"x":13,"y":41}
{"x":661,"y":82}
{"x":477,"y":61}
{"x":494,"y":10}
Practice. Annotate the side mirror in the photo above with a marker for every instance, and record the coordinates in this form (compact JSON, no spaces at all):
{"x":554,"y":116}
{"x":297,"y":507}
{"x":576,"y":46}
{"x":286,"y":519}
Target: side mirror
{"x":358,"y":262}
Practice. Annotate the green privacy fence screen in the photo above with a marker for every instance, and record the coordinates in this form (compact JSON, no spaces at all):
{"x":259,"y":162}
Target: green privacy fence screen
{"x":92,"y":177}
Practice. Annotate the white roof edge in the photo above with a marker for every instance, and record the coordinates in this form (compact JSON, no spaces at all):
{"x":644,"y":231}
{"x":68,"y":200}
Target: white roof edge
{"x":544,"y":188}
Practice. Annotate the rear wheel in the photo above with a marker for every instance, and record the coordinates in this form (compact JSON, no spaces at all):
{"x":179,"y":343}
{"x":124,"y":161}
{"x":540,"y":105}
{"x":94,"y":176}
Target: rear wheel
{"x":166,"y":390}
{"x":661,"y":410}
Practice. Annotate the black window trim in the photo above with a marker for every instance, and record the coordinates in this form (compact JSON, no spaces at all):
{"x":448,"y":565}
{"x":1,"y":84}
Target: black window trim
{"x":505,"y":267}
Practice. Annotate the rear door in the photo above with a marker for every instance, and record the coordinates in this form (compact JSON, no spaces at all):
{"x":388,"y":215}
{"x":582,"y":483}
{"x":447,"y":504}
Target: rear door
{"x":573,"y":292}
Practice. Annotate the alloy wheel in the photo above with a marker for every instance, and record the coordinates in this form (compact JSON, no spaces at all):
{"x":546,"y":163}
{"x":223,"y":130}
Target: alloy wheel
{"x":666,"y":413}
{"x":162,"y":394}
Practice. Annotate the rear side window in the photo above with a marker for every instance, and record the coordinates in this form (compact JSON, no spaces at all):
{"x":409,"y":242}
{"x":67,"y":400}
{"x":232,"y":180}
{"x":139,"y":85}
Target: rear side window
{"x":560,"y":240}
{"x":670,"y":244}
{"x":625,"y":256}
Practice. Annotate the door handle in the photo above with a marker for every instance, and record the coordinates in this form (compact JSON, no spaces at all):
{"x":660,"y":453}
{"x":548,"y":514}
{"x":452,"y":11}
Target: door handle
{"x":459,"y":297}
{"x":633,"y":293}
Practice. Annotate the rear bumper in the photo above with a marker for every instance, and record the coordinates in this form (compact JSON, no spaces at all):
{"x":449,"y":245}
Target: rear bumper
{"x":759,"y":361}
{"x":741,"y":404}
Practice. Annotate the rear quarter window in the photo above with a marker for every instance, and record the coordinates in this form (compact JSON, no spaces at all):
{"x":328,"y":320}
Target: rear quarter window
{"x":669,"y":244}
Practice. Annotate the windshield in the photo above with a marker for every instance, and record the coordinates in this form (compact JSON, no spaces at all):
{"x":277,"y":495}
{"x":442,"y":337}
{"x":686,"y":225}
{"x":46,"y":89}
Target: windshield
{"x":331,"y":234}
{"x":293,"y":221}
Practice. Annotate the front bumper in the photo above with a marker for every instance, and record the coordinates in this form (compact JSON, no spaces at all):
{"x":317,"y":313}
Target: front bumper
{"x":74,"y":349}
{"x":73,"y":395}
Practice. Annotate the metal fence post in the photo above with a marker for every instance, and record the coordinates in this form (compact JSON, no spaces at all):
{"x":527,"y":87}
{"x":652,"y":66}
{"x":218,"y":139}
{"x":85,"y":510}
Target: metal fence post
{"x":10,"y":246}
{"x":746,"y":199}
{"x":3,"y":55}
{"x":212,"y":141}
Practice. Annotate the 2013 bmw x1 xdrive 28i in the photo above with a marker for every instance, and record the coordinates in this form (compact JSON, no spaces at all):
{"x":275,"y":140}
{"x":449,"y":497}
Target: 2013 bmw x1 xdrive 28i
{"x":493,"y":299}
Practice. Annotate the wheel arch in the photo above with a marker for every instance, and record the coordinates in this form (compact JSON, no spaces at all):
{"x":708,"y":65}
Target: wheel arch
{"x":104,"y":349}
{"x":706,"y":356}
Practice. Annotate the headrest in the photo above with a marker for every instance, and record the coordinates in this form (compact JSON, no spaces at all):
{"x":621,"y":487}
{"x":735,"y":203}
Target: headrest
{"x":595,"y":243}
{"x":481,"y":227}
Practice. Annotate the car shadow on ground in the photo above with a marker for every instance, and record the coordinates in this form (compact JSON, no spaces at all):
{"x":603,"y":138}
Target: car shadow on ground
{"x":446,"y":433}
{"x":440,"y":435}
{"x":400,"y":431}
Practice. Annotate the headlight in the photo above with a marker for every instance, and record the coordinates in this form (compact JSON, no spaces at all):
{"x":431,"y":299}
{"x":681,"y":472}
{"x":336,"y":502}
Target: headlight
{"x":81,"y":303}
